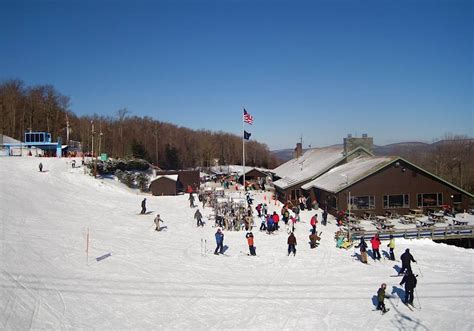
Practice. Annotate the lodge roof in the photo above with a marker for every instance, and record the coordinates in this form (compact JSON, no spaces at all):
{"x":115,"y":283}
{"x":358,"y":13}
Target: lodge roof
{"x":312,"y":164}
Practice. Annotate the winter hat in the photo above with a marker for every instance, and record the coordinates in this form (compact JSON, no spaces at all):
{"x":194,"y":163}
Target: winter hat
{"x":383,"y":285}
{"x":407,"y":250}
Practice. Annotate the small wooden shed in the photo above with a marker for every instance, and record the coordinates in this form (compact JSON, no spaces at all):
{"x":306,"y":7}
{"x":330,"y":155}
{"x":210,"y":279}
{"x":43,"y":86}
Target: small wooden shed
{"x":164,"y":185}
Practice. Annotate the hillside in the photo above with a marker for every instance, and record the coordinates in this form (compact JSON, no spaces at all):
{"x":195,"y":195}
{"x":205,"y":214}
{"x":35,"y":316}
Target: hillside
{"x":136,"y":278}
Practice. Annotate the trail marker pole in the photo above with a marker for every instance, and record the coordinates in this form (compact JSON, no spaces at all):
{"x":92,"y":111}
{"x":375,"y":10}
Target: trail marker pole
{"x":87,"y":247}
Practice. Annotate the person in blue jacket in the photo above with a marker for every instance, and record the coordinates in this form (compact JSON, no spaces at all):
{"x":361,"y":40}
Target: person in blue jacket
{"x":219,"y":242}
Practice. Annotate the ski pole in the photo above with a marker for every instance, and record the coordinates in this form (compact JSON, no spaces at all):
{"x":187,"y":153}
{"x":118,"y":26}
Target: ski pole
{"x":417,"y":298}
{"x":419,"y":270}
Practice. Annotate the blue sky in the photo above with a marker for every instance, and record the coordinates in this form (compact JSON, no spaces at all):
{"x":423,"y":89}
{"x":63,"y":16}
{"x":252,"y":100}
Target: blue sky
{"x":397,"y":70}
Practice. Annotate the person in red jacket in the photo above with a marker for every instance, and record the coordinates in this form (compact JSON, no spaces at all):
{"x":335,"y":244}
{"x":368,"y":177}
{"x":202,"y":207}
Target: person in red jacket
{"x":276,"y":219}
{"x":375,"y":241}
{"x":313,"y":222}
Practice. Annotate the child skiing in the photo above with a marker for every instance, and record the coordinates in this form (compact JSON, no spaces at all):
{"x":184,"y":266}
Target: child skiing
{"x":381,"y":298}
{"x":313,"y":240}
{"x":157,"y":222}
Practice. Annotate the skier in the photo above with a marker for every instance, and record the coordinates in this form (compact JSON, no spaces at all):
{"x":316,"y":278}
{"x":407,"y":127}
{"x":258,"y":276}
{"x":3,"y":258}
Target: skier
{"x":259,"y":209}
{"x":391,"y":245}
{"x":406,"y":259}
{"x":270,"y":224}
{"x":263,"y":219}
{"x":157,"y":222}
{"x":410,"y":283}
{"x":381,"y":298}
{"x":191,"y":200}
{"x":363,"y":250}
{"x":325,"y":217}
{"x":314,"y":221}
{"x":249,"y":237}
{"x":40,"y":167}
{"x":198,"y":218}
{"x":291,"y":244}
{"x":220,"y":242}
{"x":375,"y":241}
{"x":143,"y":206}
{"x":276,"y":219}
{"x":313,"y":240}
{"x":73,"y":163}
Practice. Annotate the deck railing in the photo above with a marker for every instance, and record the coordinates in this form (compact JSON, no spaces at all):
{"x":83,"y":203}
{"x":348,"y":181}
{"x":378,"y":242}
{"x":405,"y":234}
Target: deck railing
{"x":449,"y":232}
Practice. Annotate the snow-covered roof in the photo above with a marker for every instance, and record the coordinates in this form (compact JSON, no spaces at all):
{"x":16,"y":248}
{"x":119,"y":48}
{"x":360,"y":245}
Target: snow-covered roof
{"x":312,"y":163}
{"x":8,"y":140}
{"x":347,"y":174}
{"x":236,"y":169}
{"x":172,"y":177}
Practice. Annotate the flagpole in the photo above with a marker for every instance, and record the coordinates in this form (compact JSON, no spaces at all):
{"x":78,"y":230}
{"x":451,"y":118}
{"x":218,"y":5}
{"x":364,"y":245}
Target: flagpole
{"x":243,"y":147}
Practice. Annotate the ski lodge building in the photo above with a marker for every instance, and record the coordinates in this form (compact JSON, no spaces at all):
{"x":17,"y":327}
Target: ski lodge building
{"x":354,"y":178}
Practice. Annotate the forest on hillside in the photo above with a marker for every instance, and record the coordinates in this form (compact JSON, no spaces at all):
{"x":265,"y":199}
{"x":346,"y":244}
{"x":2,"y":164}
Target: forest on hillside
{"x":43,"y":108}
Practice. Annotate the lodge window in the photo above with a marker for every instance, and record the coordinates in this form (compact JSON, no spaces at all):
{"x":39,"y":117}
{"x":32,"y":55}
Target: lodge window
{"x":295,"y":194}
{"x":363,"y":202}
{"x":457,"y":198}
{"x":429,"y":199}
{"x":396,"y":201}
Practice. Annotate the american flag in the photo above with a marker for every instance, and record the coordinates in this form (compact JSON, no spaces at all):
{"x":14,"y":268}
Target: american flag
{"x":247,"y":117}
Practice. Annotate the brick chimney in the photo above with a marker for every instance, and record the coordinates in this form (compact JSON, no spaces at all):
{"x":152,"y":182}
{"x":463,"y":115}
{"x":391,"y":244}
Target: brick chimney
{"x":298,"y":150}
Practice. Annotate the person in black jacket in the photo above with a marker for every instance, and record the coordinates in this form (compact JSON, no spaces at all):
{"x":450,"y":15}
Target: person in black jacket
{"x":363,"y":250}
{"x":143,"y":206}
{"x":406,"y":259}
{"x":410,"y":283}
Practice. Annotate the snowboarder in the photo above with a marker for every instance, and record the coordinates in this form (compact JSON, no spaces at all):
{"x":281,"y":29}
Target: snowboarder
{"x":198,"y":218}
{"x":40,"y":167}
{"x":220,"y":242}
{"x":410,"y":283}
{"x":157,"y":222}
{"x":375,"y":241}
{"x":291,"y":244}
{"x":406,"y":259}
{"x":381,"y":298}
{"x":250,"y":242}
{"x":391,"y":245}
{"x":191,"y":200}
{"x":143,"y":206}
{"x":313,"y":240}
{"x":363,"y":250}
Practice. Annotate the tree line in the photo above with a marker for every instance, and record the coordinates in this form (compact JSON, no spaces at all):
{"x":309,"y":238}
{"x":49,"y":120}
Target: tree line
{"x":43,"y":108}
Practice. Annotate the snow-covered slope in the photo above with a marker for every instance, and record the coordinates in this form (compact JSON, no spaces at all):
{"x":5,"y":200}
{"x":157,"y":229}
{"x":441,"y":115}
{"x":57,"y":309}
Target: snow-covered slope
{"x":155,"y":280}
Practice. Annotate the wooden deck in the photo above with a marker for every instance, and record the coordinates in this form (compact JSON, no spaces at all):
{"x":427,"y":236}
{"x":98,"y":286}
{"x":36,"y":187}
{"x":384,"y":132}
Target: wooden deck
{"x":440,"y":233}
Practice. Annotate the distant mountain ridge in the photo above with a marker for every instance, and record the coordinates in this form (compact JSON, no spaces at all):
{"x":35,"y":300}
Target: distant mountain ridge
{"x":391,"y":149}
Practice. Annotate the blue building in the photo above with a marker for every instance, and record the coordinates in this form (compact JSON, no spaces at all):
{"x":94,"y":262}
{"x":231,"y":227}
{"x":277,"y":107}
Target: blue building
{"x":40,"y":140}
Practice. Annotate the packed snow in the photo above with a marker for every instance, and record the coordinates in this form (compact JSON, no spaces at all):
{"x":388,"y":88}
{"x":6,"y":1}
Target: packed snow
{"x":136,"y":278}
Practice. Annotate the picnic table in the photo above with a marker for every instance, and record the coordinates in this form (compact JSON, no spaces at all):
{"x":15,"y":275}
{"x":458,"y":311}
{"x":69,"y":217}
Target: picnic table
{"x":459,"y":222}
{"x":408,"y":219}
{"x":354,"y":227}
{"x":437,"y":217}
{"x":426,"y":223}
{"x":381,"y":219}
{"x":416,"y":212}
